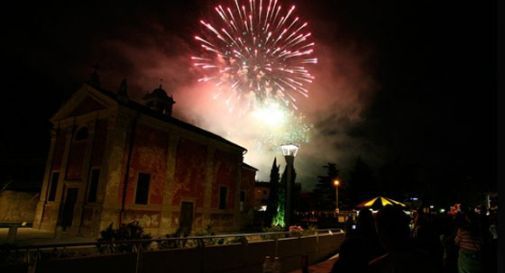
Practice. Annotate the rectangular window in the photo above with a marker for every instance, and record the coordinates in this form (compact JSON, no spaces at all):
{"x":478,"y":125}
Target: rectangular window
{"x":242,"y":200}
{"x":142,"y":194}
{"x":54,"y":186}
{"x":223,"y":194}
{"x":93,"y":184}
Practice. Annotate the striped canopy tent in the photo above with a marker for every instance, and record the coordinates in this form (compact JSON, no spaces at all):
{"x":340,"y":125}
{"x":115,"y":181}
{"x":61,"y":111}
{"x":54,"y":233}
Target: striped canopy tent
{"x":379,"y":202}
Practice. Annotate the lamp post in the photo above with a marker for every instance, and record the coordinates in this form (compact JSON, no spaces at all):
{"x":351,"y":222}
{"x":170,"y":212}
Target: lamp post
{"x":336,"y":183}
{"x":289,"y":152}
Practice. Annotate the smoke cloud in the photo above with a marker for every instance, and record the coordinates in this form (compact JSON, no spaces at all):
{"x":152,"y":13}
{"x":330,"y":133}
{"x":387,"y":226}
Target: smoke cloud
{"x":152,"y":54}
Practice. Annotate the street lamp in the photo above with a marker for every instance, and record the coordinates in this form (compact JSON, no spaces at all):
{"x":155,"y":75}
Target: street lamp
{"x":336,"y":183}
{"x":289,"y":152}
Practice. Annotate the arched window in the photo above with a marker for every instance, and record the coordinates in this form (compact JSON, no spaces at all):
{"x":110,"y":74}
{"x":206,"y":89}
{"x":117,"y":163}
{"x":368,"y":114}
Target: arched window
{"x":82,"y":134}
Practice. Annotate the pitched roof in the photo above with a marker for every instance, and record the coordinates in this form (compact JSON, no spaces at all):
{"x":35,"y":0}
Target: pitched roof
{"x":169,"y":119}
{"x":248,"y":166}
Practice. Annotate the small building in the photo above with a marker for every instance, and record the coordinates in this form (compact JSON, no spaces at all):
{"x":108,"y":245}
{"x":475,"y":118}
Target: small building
{"x":19,"y":188}
{"x":261,"y":195}
{"x":114,"y":160}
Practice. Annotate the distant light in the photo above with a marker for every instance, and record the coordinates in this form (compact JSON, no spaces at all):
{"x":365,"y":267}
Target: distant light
{"x":431,"y":207}
{"x":442,"y":210}
{"x":263,"y":208}
{"x":414,"y":198}
{"x":336,"y":182}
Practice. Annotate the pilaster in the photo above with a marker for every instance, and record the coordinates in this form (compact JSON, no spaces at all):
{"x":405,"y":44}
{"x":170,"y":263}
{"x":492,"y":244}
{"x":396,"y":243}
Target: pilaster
{"x":209,"y":179}
{"x":166,"y":208}
{"x":55,"y":206}
{"x":236,"y":204}
{"x":113,"y":164}
{"x":39,"y":212}
{"x":82,"y":198}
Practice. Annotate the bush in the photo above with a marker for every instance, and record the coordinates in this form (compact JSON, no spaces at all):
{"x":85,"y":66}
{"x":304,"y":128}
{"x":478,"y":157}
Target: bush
{"x":207,"y":232}
{"x":111,"y":239}
{"x":170,"y":244}
{"x":273,"y":236}
{"x":310,"y":230}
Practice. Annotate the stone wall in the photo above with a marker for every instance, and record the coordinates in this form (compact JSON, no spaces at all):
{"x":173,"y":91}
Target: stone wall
{"x":17,"y":207}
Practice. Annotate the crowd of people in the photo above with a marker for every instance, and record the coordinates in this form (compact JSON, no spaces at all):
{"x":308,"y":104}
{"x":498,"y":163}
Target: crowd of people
{"x":392,"y":241}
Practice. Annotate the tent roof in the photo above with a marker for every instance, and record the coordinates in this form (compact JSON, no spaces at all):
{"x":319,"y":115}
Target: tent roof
{"x":380,"y":201}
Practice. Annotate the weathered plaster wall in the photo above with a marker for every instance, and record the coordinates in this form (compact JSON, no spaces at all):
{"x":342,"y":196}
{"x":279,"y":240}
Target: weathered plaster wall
{"x":76,"y":159}
{"x":59,"y":149}
{"x":247,"y":185}
{"x":189,"y":173}
{"x":226,"y":165}
{"x":149,"y":155}
{"x":99,"y":142}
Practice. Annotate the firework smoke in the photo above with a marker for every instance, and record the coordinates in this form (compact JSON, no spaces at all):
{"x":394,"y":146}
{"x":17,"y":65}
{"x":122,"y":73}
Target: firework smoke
{"x":337,"y":99}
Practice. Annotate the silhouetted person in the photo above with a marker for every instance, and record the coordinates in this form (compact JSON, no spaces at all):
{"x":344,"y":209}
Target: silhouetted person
{"x":360,"y":246}
{"x":469,"y":240}
{"x":351,"y":258}
{"x":401,"y":256}
{"x":365,"y":228}
{"x":426,"y":237}
{"x":450,"y":250}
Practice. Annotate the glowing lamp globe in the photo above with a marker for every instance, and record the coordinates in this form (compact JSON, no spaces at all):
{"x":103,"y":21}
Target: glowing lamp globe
{"x":289,"y":149}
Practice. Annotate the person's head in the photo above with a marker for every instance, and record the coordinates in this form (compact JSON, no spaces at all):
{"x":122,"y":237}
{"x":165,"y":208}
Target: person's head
{"x":393,"y":227}
{"x":472,"y":223}
{"x":420,"y":218}
{"x":365,"y":222}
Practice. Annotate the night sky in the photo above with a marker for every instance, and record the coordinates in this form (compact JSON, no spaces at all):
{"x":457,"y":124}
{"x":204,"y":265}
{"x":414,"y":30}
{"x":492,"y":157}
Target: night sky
{"x":429,"y":109}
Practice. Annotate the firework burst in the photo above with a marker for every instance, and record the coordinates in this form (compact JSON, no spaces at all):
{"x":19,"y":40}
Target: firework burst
{"x":254,"y":51}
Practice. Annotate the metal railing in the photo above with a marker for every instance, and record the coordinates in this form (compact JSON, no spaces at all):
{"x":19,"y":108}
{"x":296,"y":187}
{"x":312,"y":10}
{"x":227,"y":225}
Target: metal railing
{"x":30,"y":255}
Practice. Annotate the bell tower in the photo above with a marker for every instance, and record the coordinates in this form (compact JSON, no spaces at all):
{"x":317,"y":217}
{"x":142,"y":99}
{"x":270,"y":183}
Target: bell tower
{"x":159,"y":101}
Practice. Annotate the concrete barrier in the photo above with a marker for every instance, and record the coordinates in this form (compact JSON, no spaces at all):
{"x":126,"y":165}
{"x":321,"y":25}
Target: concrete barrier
{"x":234,"y":258}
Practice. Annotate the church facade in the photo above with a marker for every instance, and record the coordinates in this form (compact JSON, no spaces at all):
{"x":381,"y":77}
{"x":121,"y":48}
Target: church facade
{"x":113,"y":160}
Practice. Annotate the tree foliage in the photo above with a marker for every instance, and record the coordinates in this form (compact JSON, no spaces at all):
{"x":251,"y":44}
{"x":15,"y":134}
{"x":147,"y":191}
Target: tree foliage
{"x":362,"y":182}
{"x":324,"y":191}
{"x":273,"y":197}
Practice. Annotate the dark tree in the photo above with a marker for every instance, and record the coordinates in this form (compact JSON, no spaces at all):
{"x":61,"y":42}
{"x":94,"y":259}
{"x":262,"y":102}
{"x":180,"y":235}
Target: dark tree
{"x":400,"y":178}
{"x":362,"y":183}
{"x":273,"y":197}
{"x":324,"y":191}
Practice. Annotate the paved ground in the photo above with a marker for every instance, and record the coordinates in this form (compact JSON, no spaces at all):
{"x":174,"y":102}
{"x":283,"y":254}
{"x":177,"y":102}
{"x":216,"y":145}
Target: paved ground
{"x":322,"y":267}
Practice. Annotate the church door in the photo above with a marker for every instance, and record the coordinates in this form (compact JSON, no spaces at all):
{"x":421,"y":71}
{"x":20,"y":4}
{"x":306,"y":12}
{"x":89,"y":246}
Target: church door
{"x":67,"y":214}
{"x":186,"y":220}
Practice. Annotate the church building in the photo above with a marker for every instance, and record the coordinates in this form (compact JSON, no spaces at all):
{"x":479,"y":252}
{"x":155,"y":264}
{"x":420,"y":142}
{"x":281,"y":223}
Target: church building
{"x":114,"y":160}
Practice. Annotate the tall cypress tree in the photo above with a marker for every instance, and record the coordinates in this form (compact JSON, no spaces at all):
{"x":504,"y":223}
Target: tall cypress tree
{"x":273,"y":197}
